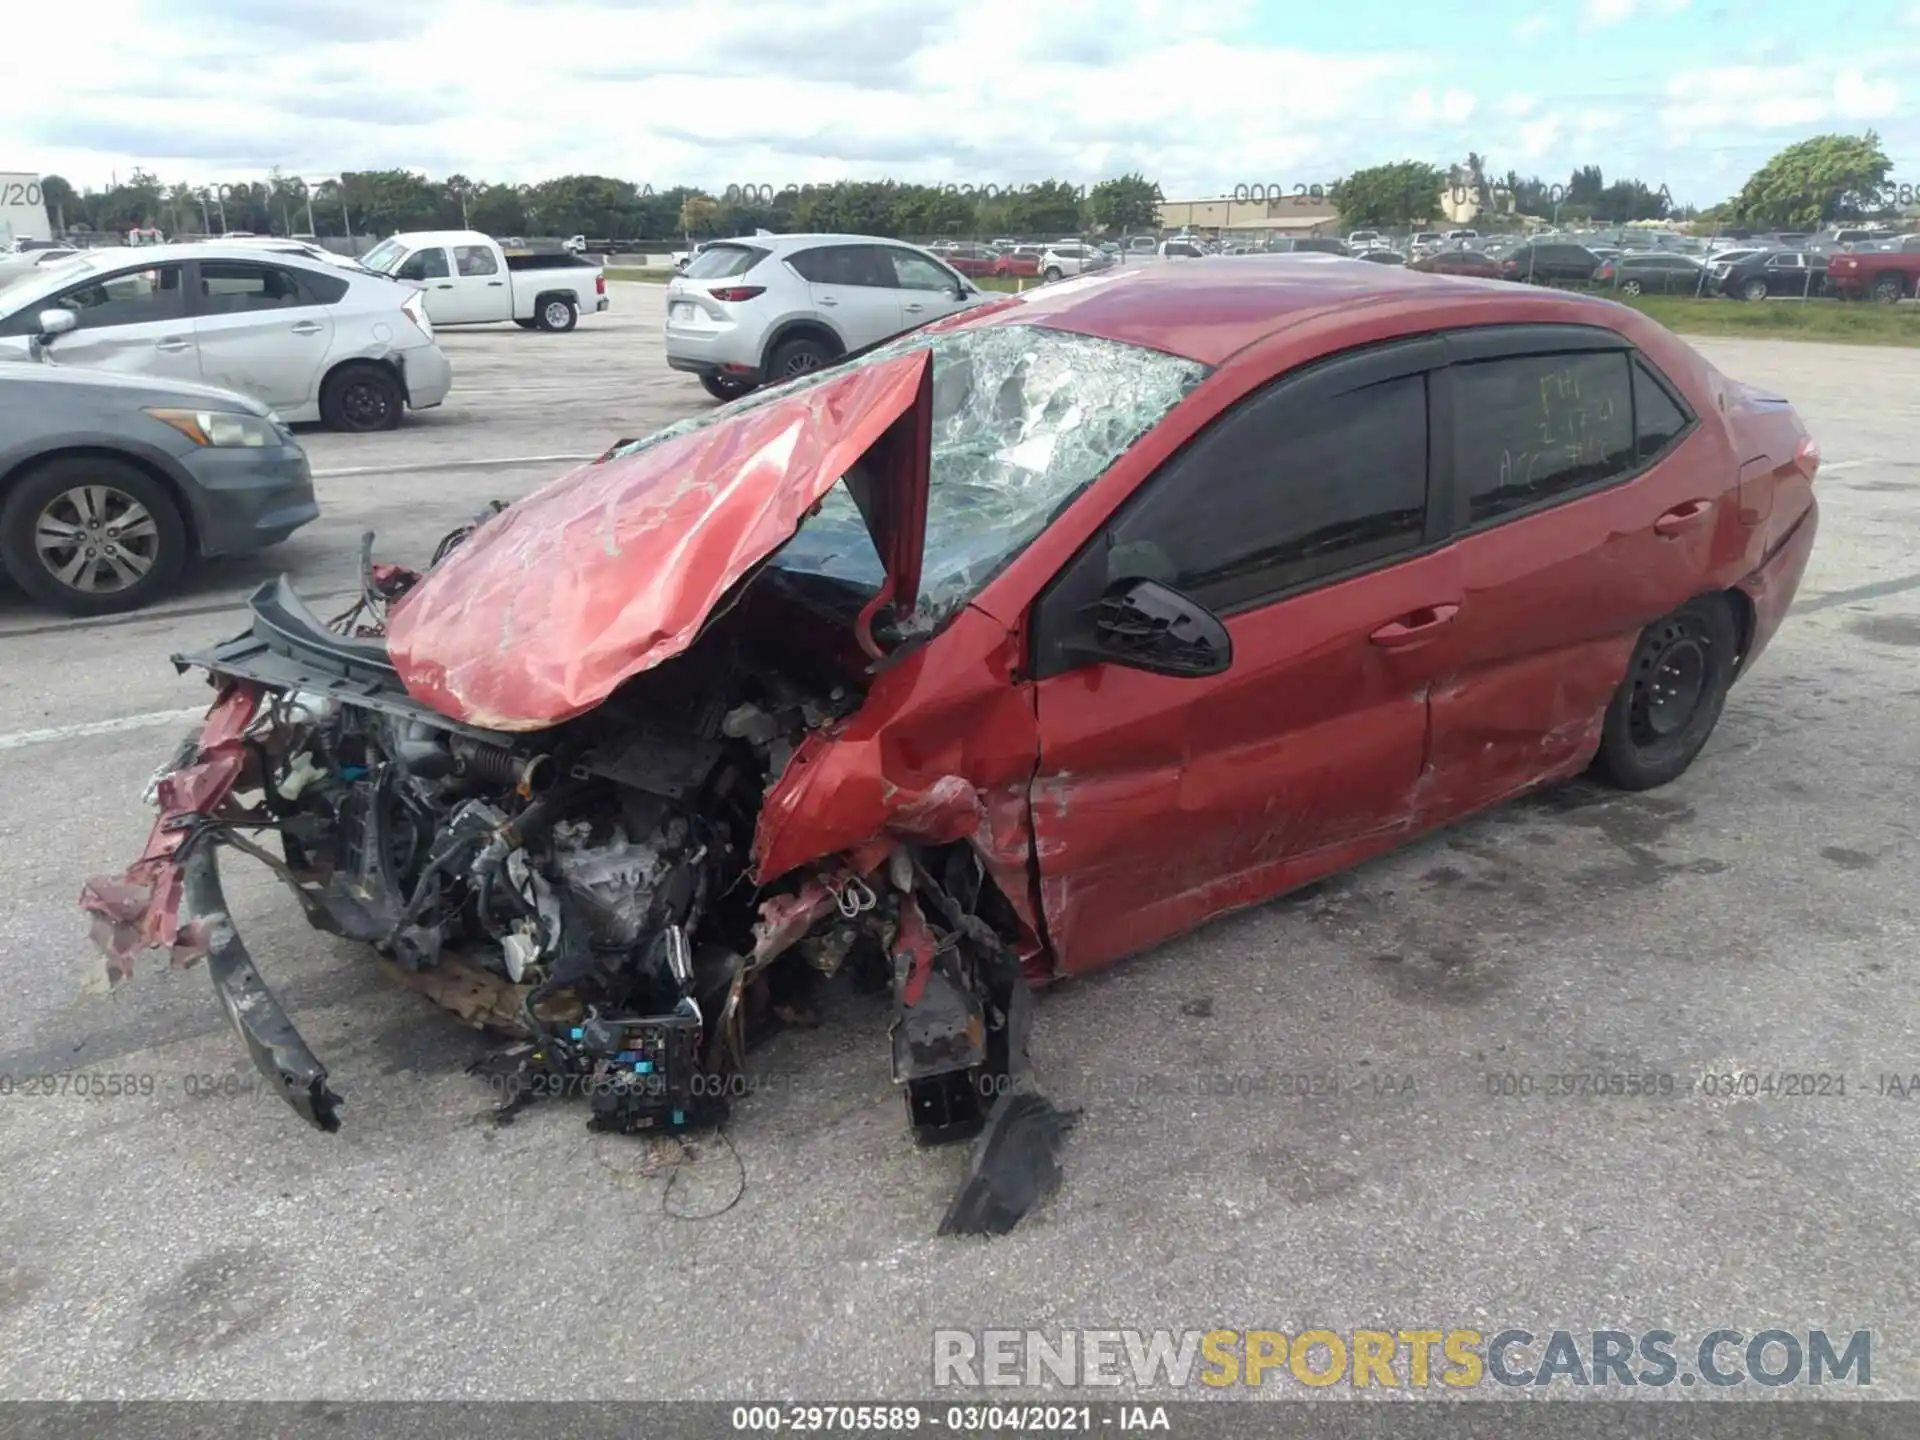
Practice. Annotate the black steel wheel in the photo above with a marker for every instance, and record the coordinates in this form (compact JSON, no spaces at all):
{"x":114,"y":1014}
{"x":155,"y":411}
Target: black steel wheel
{"x":1671,"y":697}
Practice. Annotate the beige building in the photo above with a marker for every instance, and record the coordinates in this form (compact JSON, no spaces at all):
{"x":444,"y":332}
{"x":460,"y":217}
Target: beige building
{"x":1251,"y":221}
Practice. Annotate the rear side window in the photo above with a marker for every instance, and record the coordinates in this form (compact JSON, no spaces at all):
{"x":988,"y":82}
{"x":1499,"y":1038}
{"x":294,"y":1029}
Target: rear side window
{"x":1281,"y":493}
{"x":721,"y":262}
{"x":475,"y":260}
{"x":323,"y":289}
{"x":844,"y":265}
{"x":232,"y":287}
{"x":1657,"y":420}
{"x":1536,"y":428}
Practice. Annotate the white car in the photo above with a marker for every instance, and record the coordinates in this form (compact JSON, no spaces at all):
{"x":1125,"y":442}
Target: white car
{"x":469,"y":280}
{"x":311,"y":340}
{"x":1066,"y":258}
{"x":1180,"y":248}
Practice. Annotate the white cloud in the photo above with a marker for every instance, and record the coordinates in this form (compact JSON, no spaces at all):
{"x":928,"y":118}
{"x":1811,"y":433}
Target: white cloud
{"x":1600,"y":14}
{"x":1452,"y":107}
{"x":1777,"y":97}
{"x":1538,"y":26}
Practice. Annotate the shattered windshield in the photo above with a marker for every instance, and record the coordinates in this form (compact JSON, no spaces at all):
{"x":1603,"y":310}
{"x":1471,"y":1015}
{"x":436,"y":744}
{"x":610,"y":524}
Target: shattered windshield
{"x":1024,"y":419}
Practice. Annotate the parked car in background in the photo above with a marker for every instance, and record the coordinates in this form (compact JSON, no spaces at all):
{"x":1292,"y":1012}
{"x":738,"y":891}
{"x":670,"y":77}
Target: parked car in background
{"x":313,"y":341}
{"x":1309,"y":244}
{"x":470,"y":279}
{"x":1888,"y":276}
{"x":1027,"y":620}
{"x":766,"y":308}
{"x":1142,"y":245}
{"x":1362,"y":238}
{"x":112,"y":484}
{"x":969,"y":260}
{"x":1653,"y":272}
{"x":1469,"y":263}
{"x":1550,"y":262}
{"x":1071,"y":258}
{"x":1177,"y":249}
{"x":1022,"y":262}
{"x":1424,"y":242}
{"x":1380,"y":255}
{"x":1796,"y":274}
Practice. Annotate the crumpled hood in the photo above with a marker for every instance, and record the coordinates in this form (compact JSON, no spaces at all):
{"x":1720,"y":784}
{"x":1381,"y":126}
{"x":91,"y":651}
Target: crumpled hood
{"x":614,"y":567}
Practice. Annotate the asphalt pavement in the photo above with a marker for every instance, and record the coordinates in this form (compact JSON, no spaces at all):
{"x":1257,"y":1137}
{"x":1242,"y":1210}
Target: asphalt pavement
{"x":1756,"y":918}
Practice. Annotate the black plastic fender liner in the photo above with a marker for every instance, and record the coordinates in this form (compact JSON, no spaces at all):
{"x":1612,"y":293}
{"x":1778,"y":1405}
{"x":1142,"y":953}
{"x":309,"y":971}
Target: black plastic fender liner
{"x":276,"y":1047}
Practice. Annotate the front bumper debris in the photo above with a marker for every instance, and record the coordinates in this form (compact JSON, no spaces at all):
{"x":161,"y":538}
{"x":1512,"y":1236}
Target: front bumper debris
{"x":276,"y":1047}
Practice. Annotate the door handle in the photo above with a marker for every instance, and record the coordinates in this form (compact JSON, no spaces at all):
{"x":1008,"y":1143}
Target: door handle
{"x":828,"y":300}
{"x":493,"y":284}
{"x":307,"y":327}
{"x":172,"y":344}
{"x":1682,"y":517}
{"x":444,"y":285}
{"x":913,"y":309}
{"x":1414,"y":626}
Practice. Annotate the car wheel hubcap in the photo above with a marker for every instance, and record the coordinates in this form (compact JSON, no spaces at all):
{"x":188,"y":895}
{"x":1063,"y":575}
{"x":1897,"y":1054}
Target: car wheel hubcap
{"x":556,"y":315}
{"x":96,"y":539}
{"x":803,"y":362}
{"x":365,"y":403}
{"x":1669,"y":680}
{"x":1632,"y":287}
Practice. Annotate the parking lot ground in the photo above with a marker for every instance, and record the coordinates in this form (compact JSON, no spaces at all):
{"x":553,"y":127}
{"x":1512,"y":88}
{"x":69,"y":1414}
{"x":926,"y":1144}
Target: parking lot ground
{"x":1757,"y":917}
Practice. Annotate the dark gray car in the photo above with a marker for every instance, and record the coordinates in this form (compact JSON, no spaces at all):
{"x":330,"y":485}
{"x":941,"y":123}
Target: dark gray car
{"x":111,"y":484}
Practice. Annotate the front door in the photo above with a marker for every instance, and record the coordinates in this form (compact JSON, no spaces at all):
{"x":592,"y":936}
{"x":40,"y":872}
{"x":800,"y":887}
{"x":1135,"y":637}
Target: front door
{"x":260,"y":332}
{"x":429,"y":269}
{"x":924,"y":290}
{"x":134,"y":321}
{"x":1303,"y":517}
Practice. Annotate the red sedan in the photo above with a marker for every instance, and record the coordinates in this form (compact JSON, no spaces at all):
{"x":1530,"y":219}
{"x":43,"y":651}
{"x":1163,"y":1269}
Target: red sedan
{"x":973,"y":261}
{"x":912,"y":668}
{"x":1022,"y":263}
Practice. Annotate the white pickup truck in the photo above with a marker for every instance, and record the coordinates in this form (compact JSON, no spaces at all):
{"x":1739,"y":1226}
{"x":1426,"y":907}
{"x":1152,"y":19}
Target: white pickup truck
{"x":469,"y":280}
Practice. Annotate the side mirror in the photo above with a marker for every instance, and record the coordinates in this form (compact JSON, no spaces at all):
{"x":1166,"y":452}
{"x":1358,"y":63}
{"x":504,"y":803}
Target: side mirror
{"x":53,"y":322}
{"x":1145,"y":625}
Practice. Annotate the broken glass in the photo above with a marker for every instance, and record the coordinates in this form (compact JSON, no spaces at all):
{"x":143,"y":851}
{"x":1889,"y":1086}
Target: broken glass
{"x":1024,"y":418}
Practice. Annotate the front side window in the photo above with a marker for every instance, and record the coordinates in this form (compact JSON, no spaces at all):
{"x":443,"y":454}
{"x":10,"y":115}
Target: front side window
{"x":1283,"y":492}
{"x":916,"y":272}
{"x":1535,"y":428}
{"x":133,"y":297}
{"x":424,"y":265}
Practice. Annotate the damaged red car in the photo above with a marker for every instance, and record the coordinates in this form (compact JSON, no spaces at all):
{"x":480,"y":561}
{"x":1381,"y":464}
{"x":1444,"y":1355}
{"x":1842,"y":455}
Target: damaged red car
{"x":1011,"y":647}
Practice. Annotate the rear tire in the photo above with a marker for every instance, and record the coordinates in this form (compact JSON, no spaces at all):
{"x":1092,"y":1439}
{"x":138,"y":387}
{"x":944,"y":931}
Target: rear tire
{"x":558,"y":313}
{"x":722,"y":388}
{"x":1630,"y":287}
{"x":1053,"y":273}
{"x":79,"y":495}
{"x":1671,"y":697}
{"x":362,"y":398}
{"x":1754,"y":290}
{"x":1888,"y":290}
{"x":798,"y":357}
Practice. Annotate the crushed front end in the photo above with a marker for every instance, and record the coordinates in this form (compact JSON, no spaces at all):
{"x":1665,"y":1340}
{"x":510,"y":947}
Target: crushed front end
{"x":586,"y":891}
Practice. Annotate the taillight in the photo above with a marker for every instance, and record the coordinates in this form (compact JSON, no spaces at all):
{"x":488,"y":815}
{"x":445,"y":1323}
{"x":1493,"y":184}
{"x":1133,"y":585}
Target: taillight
{"x":600,"y":283}
{"x":1806,"y":457}
{"x":1606,"y":272}
{"x":415,"y":309}
{"x":731,"y":293}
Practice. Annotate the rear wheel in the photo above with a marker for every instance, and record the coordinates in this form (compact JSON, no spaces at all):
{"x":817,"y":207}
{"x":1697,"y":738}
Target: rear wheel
{"x":1888,"y":290}
{"x":557,"y":312}
{"x":1630,"y":287}
{"x":1754,"y":290}
{"x":722,"y":388}
{"x":1053,"y":272}
{"x":361,"y":398}
{"x":798,"y":357}
{"x":92,"y":535}
{"x":1675,"y":688}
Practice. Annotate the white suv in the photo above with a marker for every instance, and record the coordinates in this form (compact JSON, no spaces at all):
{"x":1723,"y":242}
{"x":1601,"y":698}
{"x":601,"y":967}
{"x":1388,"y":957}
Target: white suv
{"x":1070,"y":257}
{"x":764,"y":308}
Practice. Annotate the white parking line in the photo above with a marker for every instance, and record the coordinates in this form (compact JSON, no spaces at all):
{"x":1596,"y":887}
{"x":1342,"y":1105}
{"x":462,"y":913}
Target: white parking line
{"x":20,"y":739}
{"x":499,"y":463}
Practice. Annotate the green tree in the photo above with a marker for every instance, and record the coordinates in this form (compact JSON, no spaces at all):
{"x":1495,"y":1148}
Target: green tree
{"x":1126,"y":202}
{"x":698,"y":214}
{"x":1586,"y":187}
{"x":1828,"y":177}
{"x":497,"y":209}
{"x":61,"y":200}
{"x":1400,"y":193}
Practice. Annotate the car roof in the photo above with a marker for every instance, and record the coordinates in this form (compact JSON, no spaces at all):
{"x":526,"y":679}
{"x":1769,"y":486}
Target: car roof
{"x":1212,"y":308}
{"x":779,"y":243}
{"x":144,"y":256}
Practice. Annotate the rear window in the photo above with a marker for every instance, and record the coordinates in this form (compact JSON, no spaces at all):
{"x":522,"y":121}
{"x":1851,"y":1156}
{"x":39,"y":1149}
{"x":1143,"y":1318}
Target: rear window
{"x":718,"y":262}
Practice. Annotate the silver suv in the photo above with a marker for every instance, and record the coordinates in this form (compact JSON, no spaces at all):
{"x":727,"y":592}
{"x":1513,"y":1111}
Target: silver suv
{"x":762,"y":308}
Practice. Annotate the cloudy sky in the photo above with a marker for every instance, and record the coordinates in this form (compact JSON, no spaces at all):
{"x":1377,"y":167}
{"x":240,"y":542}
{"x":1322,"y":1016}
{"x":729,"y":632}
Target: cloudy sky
{"x":1202,"y":95}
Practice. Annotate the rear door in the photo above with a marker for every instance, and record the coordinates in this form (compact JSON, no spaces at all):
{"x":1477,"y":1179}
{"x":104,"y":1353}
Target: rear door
{"x":924,"y":290}
{"x":1575,"y":527}
{"x":133,"y":320}
{"x":429,"y":268}
{"x":261,"y":330}
{"x":1304,"y":518}
{"x":481,"y":291}
{"x":854,"y":288}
